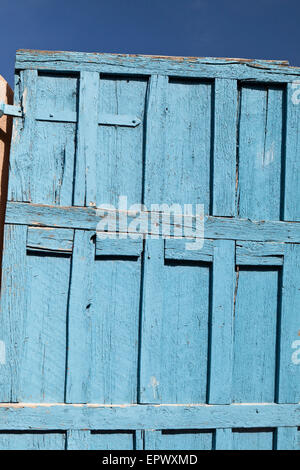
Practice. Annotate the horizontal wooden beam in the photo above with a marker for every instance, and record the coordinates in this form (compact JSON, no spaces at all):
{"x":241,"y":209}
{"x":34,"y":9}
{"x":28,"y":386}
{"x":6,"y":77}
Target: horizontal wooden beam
{"x":24,"y":416}
{"x":241,"y":69}
{"x":87,"y":218}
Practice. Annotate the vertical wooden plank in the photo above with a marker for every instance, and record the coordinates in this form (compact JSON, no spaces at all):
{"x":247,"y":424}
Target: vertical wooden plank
{"x":79,"y":351}
{"x":43,"y":360}
{"x":139,"y":439}
{"x":223,"y":439}
{"x":121,"y":149}
{"x":188,"y":143}
{"x":221,"y":348}
{"x":152,"y":439}
{"x":255,"y":327}
{"x":103,"y":326}
{"x":155,"y":144}
{"x":150,"y":355}
{"x":114,"y":333}
{"x":23,"y":131}
{"x":78,"y":439}
{"x":289,"y":369}
{"x":260,"y":152}
{"x":292,"y":150}
{"x":179,"y":440}
{"x":287,"y":438}
{"x":87,"y":134}
{"x":224,"y":154}
{"x":53,"y":143}
{"x":13,"y":309}
{"x":174,"y":334}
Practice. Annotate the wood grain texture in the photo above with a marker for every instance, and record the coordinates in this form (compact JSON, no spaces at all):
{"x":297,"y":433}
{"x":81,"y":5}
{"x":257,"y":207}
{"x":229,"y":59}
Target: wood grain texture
{"x":131,"y":417}
{"x":224,"y":153}
{"x":206,"y":67}
{"x":260,"y":152}
{"x":221,"y":346}
{"x":258,"y":439}
{"x":214,"y":227}
{"x":19,"y":187}
{"x":155,"y":150}
{"x":13,"y":310}
{"x":50,"y":239}
{"x":119,"y":169}
{"x":255,"y":327}
{"x":103,"y":326}
{"x":43,"y":360}
{"x":100,"y":440}
{"x":178,"y":440}
{"x":292,"y":165}
{"x":121,"y":342}
{"x":287,"y":438}
{"x":87,"y":143}
{"x":174,"y":338}
{"x":289,"y":371}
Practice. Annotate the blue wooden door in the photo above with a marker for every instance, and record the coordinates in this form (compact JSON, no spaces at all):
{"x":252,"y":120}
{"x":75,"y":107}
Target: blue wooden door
{"x":129,"y":342}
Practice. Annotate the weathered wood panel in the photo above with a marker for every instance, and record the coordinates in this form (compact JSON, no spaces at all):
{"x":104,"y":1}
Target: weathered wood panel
{"x":115,"y":338}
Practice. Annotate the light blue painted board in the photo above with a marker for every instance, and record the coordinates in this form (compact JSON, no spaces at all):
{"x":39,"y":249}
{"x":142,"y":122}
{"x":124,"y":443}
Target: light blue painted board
{"x":288,"y":438}
{"x":97,"y":440}
{"x":22,"y":139}
{"x":151,"y":323}
{"x":221,"y":347}
{"x":43,"y":360}
{"x":32,"y":441}
{"x":260,"y":152}
{"x":255,"y":327}
{"x":13,"y":310}
{"x":87,"y":218}
{"x":289,"y":366}
{"x":179,"y":440}
{"x":53,"y":146}
{"x":292,"y":149}
{"x":131,"y":417}
{"x":103,"y":326}
{"x":224,"y":157}
{"x":79,"y":322}
{"x":242,"y":69}
{"x":188,"y":144}
{"x":155,"y":157}
{"x":174,"y":329}
{"x":223,"y":439}
{"x":85,"y":184}
{"x":252,"y":439}
{"x":51,"y":175}
{"x":119,"y":169}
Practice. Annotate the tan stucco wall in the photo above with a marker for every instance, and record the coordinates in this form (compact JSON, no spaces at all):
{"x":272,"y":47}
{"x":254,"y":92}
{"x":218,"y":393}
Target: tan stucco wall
{"x":6,"y":96}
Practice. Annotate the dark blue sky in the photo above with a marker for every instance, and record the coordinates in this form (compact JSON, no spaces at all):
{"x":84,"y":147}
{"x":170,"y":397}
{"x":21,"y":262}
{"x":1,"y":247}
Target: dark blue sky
{"x":261,"y":29}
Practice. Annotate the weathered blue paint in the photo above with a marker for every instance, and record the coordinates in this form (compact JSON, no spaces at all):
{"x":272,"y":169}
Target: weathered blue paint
{"x":131,"y":343}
